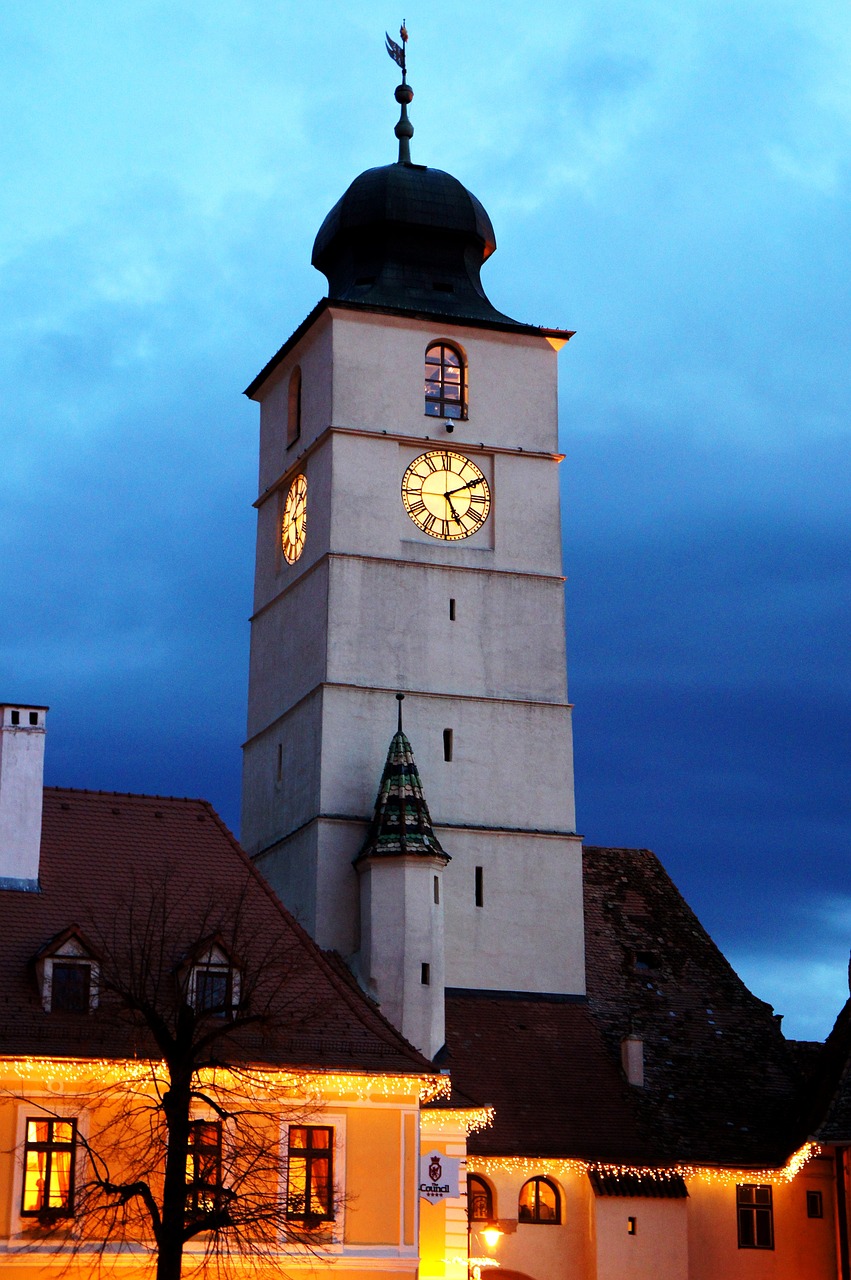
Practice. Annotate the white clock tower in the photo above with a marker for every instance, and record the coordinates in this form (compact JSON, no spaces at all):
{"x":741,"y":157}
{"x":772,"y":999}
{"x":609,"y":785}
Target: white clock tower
{"x":409,"y":541}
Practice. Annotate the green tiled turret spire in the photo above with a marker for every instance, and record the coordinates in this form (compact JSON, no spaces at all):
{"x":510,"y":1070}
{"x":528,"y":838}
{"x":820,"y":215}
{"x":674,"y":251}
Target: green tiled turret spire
{"x":401,"y":824}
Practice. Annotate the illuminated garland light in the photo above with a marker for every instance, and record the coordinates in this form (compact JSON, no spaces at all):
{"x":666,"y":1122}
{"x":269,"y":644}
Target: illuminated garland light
{"x":92,"y":1072}
{"x":468,"y":1119}
{"x":706,"y":1173}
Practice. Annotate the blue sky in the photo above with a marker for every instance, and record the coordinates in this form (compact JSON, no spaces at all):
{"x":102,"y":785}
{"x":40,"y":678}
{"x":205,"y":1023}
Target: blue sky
{"x":670,"y":181}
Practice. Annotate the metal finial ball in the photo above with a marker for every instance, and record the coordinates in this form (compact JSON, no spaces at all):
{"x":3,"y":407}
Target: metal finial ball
{"x":404,"y":94}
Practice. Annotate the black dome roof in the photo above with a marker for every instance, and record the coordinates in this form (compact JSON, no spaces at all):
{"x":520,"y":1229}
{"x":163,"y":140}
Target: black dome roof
{"x":411,"y":238}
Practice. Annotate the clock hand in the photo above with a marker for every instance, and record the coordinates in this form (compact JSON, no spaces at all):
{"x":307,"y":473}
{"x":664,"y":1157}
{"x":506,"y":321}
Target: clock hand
{"x":468,"y":485}
{"x":455,"y":515}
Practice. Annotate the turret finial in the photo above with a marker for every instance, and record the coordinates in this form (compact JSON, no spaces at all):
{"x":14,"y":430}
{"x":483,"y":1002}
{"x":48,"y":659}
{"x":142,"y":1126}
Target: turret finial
{"x":404,"y":93}
{"x":400,"y":698}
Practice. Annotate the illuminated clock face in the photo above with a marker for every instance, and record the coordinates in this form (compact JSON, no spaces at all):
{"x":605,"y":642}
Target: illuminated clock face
{"x":294,"y":522}
{"x":446,"y":495}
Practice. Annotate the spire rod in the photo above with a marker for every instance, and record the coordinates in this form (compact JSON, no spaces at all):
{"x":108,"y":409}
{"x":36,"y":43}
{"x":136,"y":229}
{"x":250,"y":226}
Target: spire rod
{"x":400,"y":698}
{"x":404,"y":93}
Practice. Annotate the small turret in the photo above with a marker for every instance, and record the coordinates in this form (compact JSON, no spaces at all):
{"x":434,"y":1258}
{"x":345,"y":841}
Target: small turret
{"x":401,"y":961}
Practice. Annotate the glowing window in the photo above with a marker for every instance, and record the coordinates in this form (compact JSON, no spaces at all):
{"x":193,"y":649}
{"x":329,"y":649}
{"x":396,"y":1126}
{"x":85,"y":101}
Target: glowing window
{"x":294,"y":407}
{"x":204,"y":1167}
{"x":445,"y":389}
{"x":310,"y":1187}
{"x":539,"y":1202}
{"x":479,"y":1200}
{"x":756,"y":1216}
{"x":49,"y":1168}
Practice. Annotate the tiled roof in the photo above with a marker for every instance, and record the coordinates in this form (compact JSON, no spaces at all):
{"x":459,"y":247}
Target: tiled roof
{"x":827,"y":1117}
{"x":606,"y":1183}
{"x":123,"y":868}
{"x":720,"y":1082}
{"x":401,"y":824}
{"x":543,"y":1064}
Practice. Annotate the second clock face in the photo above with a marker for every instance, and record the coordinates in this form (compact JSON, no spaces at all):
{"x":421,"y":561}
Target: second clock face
{"x":446,"y":495}
{"x":294,"y":521}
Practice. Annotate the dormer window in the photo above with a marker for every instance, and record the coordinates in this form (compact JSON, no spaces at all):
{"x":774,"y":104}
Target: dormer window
{"x":445,"y":382}
{"x":68,"y":974}
{"x":214,"y":983}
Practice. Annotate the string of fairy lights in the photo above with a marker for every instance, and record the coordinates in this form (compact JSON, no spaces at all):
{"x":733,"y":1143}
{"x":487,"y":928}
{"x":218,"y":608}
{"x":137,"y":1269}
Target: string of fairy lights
{"x":527,"y":1167}
{"x":464,"y":1120}
{"x":82,"y":1075}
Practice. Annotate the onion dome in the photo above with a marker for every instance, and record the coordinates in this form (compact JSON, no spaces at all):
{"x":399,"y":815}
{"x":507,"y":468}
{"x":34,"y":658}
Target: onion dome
{"x":401,"y":825}
{"x":408,"y":237}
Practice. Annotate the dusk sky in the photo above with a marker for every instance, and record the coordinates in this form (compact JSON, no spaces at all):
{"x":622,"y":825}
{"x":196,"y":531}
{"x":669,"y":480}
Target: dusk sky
{"x":671,"y":181}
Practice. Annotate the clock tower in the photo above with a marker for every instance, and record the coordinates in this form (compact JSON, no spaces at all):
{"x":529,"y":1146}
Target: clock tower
{"x":409,"y":541}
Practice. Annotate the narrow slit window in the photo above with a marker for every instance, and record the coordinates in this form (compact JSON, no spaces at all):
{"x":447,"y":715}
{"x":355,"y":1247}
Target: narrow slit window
{"x":631,"y":1226}
{"x":436,"y":890}
{"x":294,"y":407}
{"x":445,"y":383}
{"x":447,"y":744}
{"x":451,"y":608}
{"x":480,"y":886}
{"x":425,"y":974}
{"x":279,"y":762}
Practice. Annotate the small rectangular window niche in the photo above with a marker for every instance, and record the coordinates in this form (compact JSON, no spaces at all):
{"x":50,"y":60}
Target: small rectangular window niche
{"x":447,"y":744}
{"x":425,"y":974}
{"x":437,"y":890}
{"x":631,"y":1226}
{"x":480,"y":886}
{"x":279,"y":762}
{"x":451,"y":608}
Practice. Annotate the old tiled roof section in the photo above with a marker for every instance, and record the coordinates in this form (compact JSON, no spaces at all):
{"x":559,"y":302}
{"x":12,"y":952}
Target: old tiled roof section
{"x":608,"y":1183}
{"x":401,"y":824}
{"x":544,"y":1065}
{"x":827,"y":1115}
{"x":112,"y":863}
{"x":720,"y":1082}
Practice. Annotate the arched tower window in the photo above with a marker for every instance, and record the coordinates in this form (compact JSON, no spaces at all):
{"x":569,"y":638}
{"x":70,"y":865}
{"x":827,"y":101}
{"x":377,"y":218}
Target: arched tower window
{"x":294,"y":406}
{"x":445,"y":382}
{"x":539,"y":1202}
{"x":479,"y":1200}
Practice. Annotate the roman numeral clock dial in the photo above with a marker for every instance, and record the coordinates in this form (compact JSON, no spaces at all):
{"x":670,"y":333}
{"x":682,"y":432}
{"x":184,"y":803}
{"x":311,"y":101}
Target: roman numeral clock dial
{"x":446,"y":495}
{"x":294,"y":520}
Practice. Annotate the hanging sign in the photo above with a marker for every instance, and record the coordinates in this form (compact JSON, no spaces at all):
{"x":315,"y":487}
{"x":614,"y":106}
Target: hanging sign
{"x":438,"y":1176}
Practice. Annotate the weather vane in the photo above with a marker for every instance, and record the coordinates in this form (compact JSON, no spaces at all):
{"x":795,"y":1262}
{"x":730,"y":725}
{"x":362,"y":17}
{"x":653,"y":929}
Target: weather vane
{"x":397,"y":51}
{"x":404,"y":93}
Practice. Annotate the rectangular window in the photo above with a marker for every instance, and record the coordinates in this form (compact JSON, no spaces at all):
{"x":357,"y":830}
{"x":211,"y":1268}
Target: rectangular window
{"x":631,"y":1226}
{"x":815,"y":1205}
{"x":49,"y":1168}
{"x":451,"y":609}
{"x":447,"y":744}
{"x":213,"y":990}
{"x":437,"y":891}
{"x":70,"y":987}
{"x":279,"y":763}
{"x":425,"y":974}
{"x":310,"y":1185}
{"x":204,"y":1166}
{"x":480,"y":886}
{"x":756,"y":1216}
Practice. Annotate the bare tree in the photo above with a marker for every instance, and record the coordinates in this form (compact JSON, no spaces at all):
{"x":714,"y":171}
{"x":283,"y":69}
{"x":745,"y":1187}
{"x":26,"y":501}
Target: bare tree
{"x":182,"y":1142}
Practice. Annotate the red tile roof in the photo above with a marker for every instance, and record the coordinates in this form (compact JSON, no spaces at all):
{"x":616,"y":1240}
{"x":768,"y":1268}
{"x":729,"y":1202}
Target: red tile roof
{"x":544,"y":1065}
{"x":112,"y":865}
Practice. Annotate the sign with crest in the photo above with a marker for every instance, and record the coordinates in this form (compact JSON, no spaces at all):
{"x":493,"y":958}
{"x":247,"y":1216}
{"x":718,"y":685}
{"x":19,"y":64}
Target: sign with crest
{"x":438,"y":1176}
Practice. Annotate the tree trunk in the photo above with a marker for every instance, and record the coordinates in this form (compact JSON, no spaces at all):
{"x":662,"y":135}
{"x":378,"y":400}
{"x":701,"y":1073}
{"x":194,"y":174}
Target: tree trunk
{"x":176,"y":1106}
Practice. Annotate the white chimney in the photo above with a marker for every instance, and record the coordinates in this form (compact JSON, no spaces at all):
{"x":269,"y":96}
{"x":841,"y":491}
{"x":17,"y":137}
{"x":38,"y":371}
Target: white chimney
{"x":22,"y":730}
{"x":632,"y":1060}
